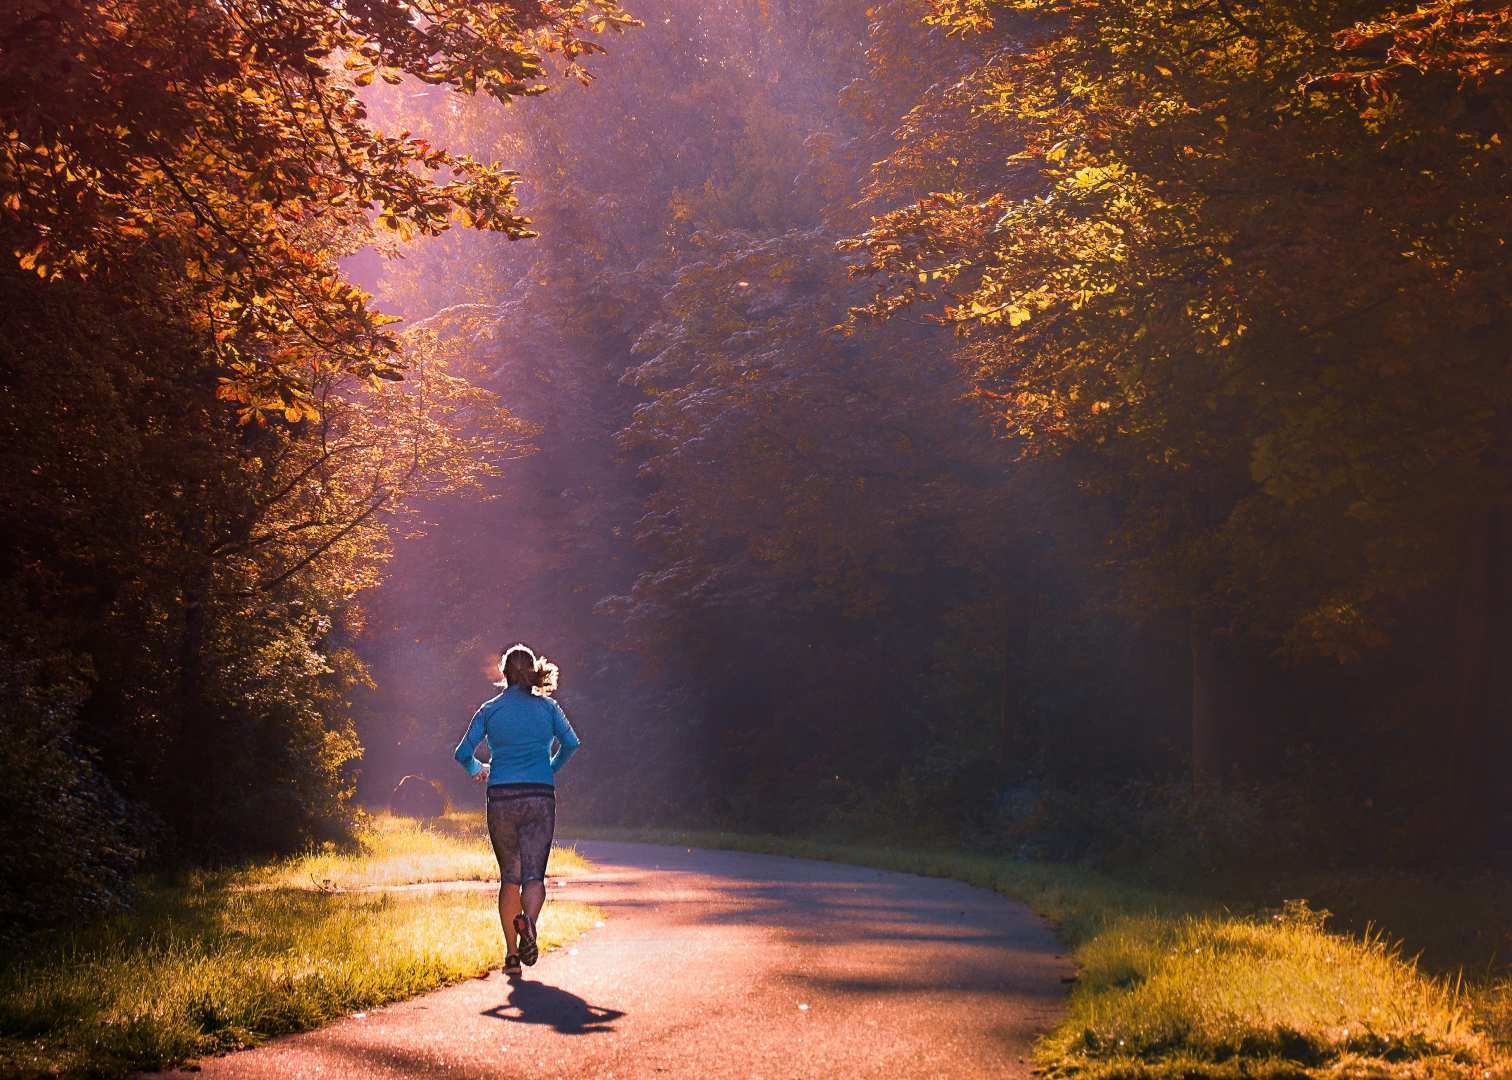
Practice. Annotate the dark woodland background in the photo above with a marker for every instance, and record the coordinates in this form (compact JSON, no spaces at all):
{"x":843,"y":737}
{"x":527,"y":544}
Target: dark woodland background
{"x":1080,"y":434}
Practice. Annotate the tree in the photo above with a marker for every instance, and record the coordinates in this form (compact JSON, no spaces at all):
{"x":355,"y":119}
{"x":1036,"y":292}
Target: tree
{"x":212,"y":436}
{"x":1262,"y":305}
{"x":212,"y":151}
{"x":778,"y":498}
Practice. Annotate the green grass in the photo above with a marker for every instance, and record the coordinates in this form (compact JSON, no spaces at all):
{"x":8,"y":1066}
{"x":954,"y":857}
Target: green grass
{"x":1239,"y":996}
{"x":214,"y":962}
{"x":1173,"y":986}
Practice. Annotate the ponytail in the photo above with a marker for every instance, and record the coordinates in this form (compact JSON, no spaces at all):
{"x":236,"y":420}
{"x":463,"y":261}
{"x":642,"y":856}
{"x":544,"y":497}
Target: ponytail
{"x":546,"y":676}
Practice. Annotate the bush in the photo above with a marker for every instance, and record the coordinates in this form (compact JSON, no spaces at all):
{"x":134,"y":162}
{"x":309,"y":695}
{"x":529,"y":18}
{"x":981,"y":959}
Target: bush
{"x":1173,"y":831}
{"x":418,"y":797}
{"x":68,"y":842}
{"x":943,"y":800}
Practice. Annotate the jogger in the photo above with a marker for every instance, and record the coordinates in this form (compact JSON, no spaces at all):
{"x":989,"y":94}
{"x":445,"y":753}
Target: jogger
{"x":520,"y":724}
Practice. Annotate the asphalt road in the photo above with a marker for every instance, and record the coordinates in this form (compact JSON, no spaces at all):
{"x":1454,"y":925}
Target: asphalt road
{"x":722,"y":964}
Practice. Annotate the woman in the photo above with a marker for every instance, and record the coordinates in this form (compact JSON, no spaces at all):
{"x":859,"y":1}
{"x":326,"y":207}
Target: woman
{"x":520,"y":725}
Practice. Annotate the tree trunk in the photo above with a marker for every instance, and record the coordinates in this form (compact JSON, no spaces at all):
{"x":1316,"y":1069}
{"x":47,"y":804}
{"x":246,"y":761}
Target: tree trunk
{"x":1479,"y":620}
{"x":1008,"y":726}
{"x":183,"y":783}
{"x":1018,"y":744}
{"x":1206,"y":751}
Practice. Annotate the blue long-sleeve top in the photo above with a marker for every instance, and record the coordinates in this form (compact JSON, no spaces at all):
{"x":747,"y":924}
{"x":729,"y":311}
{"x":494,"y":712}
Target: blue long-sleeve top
{"x":520,"y":727}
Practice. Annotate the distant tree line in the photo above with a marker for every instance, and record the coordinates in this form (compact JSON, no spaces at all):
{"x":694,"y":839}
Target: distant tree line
{"x":1208,"y":482}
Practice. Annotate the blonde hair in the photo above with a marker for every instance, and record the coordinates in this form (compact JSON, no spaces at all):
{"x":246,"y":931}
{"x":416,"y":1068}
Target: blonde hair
{"x":521,"y":667}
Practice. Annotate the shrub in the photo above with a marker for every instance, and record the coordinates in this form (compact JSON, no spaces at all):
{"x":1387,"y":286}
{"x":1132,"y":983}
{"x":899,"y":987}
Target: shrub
{"x":92,"y":838}
{"x":1173,"y":831}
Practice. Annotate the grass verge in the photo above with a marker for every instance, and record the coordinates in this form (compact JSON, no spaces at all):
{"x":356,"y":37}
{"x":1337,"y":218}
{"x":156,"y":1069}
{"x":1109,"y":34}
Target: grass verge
{"x":214,"y":962}
{"x":1172,"y":986}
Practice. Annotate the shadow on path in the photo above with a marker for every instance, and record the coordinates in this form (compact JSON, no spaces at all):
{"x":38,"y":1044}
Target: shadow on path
{"x":542,"y":1003}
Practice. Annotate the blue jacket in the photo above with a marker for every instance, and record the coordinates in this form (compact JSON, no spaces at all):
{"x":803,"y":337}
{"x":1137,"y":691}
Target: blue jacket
{"x":520,"y":727}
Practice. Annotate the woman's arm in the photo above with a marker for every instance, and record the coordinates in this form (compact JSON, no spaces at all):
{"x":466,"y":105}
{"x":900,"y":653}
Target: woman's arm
{"x":564,"y":734}
{"x":464,"y":752}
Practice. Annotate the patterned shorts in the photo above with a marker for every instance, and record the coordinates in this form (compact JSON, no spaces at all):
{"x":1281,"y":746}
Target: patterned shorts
{"x":521,"y":821}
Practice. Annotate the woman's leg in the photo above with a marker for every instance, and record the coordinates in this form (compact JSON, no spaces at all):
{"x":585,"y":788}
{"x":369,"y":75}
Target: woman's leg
{"x":503,"y":832}
{"x":533,"y":894}
{"x":537,"y":824}
{"x":509,"y":907}
{"x":537,"y":827}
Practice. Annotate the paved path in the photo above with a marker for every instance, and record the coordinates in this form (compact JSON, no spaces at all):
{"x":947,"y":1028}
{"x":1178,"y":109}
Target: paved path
{"x":722,"y":964}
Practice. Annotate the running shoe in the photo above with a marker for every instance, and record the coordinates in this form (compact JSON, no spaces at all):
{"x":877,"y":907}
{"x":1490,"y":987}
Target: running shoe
{"x":530,"y":952}
{"x":511,"y":964}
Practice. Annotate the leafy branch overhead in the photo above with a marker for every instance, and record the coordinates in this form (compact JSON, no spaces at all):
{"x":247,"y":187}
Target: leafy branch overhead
{"x":225,"y":149}
{"x":1227,"y":238}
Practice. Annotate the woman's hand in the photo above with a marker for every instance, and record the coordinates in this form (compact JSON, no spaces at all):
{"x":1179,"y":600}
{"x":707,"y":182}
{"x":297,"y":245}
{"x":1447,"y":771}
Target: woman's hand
{"x":481,"y":776}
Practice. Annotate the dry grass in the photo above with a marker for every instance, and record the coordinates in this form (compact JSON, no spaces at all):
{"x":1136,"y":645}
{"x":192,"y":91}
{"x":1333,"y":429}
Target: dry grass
{"x":402,"y":851}
{"x":1494,"y":1007}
